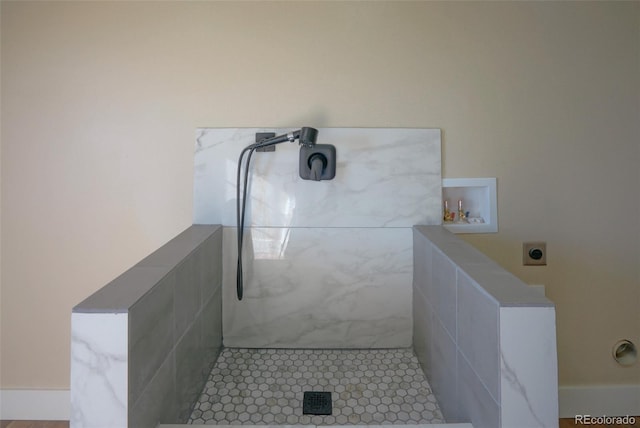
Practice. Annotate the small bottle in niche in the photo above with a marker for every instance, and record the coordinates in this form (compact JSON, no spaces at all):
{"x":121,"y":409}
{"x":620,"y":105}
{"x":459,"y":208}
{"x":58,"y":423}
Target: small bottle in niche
{"x":462,"y":217}
{"x":447,"y":213}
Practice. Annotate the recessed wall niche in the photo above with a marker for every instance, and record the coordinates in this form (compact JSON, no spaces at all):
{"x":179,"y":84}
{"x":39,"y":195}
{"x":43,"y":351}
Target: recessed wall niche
{"x":478,"y":197}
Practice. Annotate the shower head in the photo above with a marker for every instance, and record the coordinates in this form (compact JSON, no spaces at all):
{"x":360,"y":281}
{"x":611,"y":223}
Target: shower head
{"x":308,"y":136}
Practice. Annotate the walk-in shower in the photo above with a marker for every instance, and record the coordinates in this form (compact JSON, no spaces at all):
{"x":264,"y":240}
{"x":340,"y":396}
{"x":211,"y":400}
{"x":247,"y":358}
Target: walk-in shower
{"x":327,"y":275}
{"x":343,"y":294}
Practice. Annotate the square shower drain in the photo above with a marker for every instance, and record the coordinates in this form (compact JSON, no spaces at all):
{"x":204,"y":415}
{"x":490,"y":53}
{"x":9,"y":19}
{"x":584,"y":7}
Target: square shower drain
{"x":316,"y":403}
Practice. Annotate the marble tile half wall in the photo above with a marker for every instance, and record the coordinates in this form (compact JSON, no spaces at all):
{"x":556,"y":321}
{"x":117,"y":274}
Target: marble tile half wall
{"x":142,"y":346}
{"x":486,"y":340}
{"x":326,"y":264}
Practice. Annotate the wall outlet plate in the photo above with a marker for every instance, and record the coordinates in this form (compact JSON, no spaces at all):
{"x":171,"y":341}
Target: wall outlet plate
{"x":534,"y":253}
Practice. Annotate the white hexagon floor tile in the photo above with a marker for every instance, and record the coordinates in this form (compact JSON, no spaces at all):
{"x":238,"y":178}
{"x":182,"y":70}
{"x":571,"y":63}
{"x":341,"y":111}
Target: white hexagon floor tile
{"x":266,"y":387}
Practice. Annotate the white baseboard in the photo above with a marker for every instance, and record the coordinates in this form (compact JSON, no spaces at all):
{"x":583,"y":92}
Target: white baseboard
{"x":35,"y":404}
{"x":612,"y":400}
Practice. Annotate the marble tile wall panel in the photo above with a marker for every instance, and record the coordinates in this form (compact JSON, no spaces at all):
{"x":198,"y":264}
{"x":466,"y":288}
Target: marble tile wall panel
{"x":501,"y":379}
{"x":209,"y":266}
{"x":422,"y":265}
{"x":186,"y":294}
{"x":384,"y":178}
{"x":444,"y":372}
{"x":342,"y":287}
{"x":423,"y":321}
{"x":529,"y":368}
{"x":151,"y":334}
{"x":158,"y":402}
{"x":504,"y":287}
{"x":160,"y":361}
{"x":168,"y":329}
{"x":444,"y":301}
{"x":173,"y":252}
{"x":99,"y":370}
{"x":476,"y":404}
{"x":319,"y":287}
{"x":196,"y":340}
{"x":190,"y":365}
{"x":423,"y":316}
{"x":209,"y":261}
{"x":211,"y":329}
{"x":478,"y":323}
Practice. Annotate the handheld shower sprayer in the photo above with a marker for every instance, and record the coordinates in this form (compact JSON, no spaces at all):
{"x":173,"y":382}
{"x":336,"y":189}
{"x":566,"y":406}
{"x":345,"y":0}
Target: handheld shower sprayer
{"x":307,"y":137}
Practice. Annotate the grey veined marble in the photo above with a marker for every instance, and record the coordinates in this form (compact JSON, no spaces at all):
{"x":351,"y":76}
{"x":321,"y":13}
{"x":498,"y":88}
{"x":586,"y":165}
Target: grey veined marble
{"x":319,"y":288}
{"x":99,"y":370}
{"x":326,"y":264}
{"x":385,"y":178}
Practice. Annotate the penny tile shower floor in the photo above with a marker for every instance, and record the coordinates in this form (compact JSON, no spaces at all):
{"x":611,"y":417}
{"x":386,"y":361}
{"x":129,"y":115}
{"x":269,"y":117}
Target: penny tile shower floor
{"x":266,"y":387}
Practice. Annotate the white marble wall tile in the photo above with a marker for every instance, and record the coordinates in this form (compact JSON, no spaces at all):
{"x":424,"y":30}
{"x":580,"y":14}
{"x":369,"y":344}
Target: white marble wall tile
{"x":99,"y":370}
{"x":319,"y":287}
{"x":529,"y":368}
{"x":384,"y":178}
